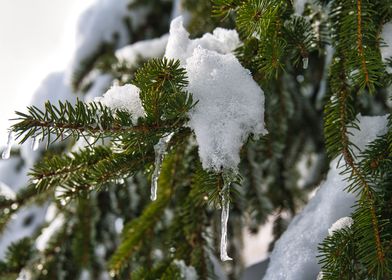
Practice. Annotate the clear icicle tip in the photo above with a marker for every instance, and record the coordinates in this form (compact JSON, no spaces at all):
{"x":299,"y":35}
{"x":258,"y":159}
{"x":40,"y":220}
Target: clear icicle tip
{"x":224,"y":219}
{"x":7,"y":151}
{"x":160,"y":150}
{"x":305,"y":62}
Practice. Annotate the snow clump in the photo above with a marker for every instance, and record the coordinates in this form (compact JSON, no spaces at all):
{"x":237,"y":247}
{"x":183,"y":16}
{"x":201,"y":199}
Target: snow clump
{"x":230,"y":103}
{"x":179,"y":46}
{"x":124,"y":98}
{"x":345,"y":222}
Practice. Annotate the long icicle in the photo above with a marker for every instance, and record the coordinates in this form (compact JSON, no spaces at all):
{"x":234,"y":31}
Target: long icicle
{"x":7,"y":151}
{"x":160,"y":150}
{"x":224,"y":219}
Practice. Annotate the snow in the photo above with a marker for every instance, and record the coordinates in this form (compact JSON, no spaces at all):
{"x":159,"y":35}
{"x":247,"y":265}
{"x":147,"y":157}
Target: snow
{"x":146,"y":49}
{"x":294,"y":255}
{"x":99,"y":24}
{"x":6,"y":191}
{"x":179,"y":46}
{"x":47,"y":233}
{"x":230,"y":107}
{"x":226,"y":113}
{"x":124,"y":98}
{"x":386,"y":35}
{"x":345,"y":222}
{"x":187,"y":272}
{"x":299,"y":6}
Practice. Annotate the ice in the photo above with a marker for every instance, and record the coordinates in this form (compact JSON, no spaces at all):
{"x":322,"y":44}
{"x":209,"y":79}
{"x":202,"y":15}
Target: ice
{"x":160,"y":150}
{"x":224,"y":219}
{"x":294,"y":255}
{"x":179,"y":46}
{"x":345,"y":222}
{"x":142,"y":50}
{"x":230,"y":107}
{"x":125,"y":98}
{"x":7,"y":151}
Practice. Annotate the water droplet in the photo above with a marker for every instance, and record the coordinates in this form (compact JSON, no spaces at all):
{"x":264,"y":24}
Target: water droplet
{"x":160,"y":150}
{"x":7,"y":151}
{"x":305,"y":62}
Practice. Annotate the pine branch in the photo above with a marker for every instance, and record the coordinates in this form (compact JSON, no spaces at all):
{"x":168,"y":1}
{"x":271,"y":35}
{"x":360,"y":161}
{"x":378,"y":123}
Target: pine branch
{"x":134,"y":232}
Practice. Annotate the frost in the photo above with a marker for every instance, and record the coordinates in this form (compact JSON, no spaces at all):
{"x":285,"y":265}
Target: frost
{"x":230,"y":107}
{"x":160,"y":150}
{"x":179,"y":46}
{"x":345,"y":222}
{"x":142,"y":50}
{"x":7,"y":151}
{"x":125,"y":98}
{"x":187,"y":272}
{"x":294,"y":255}
{"x":230,"y":103}
{"x":224,"y":219}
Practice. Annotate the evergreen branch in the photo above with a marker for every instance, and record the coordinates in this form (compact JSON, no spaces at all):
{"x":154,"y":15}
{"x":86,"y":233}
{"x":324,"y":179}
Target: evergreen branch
{"x":134,"y":232}
{"x":339,"y":115}
{"x":162,"y":83}
{"x":81,"y":119}
{"x":360,"y":43}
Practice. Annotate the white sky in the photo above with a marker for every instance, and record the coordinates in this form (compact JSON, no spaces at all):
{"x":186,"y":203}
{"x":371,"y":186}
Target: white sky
{"x":32,"y":43}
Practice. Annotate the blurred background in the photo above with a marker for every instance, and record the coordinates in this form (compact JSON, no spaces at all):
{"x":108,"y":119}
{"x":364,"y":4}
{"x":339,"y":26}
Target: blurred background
{"x":35,"y":39}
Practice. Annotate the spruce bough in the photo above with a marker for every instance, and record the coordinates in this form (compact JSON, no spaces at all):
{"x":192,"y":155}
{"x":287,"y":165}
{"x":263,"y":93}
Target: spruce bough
{"x":319,"y":65}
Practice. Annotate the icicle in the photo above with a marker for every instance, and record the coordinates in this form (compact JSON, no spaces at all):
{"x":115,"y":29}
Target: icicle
{"x":160,"y":150}
{"x":98,"y":120}
{"x":305,"y":62}
{"x":224,"y":220}
{"x":10,"y":142}
{"x":35,"y":144}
